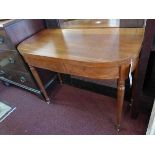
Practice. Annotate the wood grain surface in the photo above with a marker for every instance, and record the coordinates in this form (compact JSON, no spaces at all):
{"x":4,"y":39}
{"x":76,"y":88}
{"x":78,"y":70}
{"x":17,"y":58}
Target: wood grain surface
{"x":85,"y":50}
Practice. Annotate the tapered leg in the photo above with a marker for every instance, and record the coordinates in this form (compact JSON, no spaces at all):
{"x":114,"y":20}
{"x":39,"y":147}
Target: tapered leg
{"x":40,"y":84}
{"x":120,"y":100}
{"x":123,"y":74}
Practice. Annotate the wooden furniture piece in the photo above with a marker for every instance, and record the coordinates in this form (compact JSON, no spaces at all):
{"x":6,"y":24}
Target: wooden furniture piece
{"x":140,"y":97}
{"x":99,"y":23}
{"x":94,"y":53}
{"x":106,"y":87}
{"x":13,"y":69}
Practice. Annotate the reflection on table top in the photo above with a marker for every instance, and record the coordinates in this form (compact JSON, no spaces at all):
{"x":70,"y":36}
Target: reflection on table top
{"x":90,"y":45}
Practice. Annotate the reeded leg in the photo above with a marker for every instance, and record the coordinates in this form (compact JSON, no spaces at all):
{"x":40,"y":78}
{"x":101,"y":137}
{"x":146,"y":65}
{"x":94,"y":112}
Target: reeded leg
{"x":120,"y":100}
{"x":60,"y":78}
{"x":40,"y":84}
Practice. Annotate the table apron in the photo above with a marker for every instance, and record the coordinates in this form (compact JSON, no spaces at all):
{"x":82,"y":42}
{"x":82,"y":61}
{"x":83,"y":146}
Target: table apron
{"x":89,"y":70}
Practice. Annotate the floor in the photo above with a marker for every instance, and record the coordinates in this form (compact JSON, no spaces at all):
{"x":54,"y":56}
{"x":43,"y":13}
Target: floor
{"x":73,"y":111}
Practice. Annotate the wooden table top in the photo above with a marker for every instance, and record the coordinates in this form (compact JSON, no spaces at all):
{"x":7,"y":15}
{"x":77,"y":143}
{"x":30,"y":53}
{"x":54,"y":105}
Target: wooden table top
{"x":102,"y":45}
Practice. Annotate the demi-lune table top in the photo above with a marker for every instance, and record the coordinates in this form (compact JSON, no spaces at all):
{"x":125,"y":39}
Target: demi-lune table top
{"x":103,"y":45}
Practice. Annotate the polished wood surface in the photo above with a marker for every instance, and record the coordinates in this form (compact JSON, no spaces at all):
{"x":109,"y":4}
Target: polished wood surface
{"x":96,"y":23}
{"x":83,"y":50}
{"x":94,"y":53}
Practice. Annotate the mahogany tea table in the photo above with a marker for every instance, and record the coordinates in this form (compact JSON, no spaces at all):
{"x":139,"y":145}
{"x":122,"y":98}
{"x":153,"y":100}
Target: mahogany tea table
{"x":99,"y":53}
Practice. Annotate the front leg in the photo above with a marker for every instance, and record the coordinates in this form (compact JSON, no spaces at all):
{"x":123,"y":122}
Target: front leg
{"x":123,"y":74}
{"x":120,"y":100}
{"x":40,"y":84}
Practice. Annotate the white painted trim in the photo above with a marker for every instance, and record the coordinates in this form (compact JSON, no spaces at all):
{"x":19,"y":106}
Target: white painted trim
{"x":7,"y":114}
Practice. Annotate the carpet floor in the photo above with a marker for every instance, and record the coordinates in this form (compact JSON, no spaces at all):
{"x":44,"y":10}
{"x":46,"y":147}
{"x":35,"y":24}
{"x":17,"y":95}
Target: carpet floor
{"x":73,"y":111}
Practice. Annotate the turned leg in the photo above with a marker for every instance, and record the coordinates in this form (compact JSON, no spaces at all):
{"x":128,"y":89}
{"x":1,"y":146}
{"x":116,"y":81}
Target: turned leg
{"x":123,"y":74}
{"x":120,"y":100}
{"x":40,"y":84}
